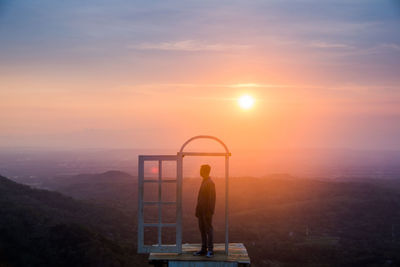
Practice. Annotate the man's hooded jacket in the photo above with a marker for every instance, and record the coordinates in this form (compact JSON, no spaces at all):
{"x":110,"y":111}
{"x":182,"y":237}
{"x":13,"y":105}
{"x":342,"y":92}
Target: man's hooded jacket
{"x":206,"y":199}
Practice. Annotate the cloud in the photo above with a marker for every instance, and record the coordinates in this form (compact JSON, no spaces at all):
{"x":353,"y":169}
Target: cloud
{"x":188,"y":45}
{"x":376,"y":49}
{"x":328,"y":45}
{"x":391,"y":46}
{"x":255,"y":85}
{"x":212,"y":85}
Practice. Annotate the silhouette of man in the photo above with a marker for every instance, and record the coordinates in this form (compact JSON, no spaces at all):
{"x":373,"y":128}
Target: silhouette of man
{"x":204,"y":212}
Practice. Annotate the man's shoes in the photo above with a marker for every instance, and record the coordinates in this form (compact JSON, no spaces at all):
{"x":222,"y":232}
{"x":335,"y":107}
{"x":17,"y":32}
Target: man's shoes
{"x":210,"y":254}
{"x":200,"y":253}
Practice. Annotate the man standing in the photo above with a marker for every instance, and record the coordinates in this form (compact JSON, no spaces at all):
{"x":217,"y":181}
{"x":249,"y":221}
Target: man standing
{"x":204,"y":212}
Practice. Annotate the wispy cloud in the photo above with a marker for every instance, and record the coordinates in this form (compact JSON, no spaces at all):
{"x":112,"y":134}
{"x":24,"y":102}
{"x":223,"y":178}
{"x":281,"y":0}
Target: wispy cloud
{"x":254,"y":85}
{"x":374,"y":49}
{"x":328,"y":45}
{"x":391,"y":46}
{"x":188,"y":45}
{"x":212,"y":85}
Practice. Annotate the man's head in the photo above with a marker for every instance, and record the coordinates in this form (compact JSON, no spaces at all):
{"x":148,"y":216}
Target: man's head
{"x":205,"y":170}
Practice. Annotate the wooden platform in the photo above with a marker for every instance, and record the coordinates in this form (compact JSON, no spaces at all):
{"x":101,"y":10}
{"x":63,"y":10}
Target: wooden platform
{"x":237,"y":256}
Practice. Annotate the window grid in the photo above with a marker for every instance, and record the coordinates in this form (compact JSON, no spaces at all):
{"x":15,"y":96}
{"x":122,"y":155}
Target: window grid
{"x":159,"y":247}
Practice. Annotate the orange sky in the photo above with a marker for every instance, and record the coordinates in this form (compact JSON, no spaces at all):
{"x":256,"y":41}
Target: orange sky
{"x":99,"y":77}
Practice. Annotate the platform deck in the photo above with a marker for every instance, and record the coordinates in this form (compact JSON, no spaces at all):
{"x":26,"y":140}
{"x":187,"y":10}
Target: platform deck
{"x":237,"y":253}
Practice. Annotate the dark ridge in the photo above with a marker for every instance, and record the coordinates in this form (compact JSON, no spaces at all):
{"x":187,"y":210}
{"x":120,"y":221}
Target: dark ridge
{"x":44,"y":228}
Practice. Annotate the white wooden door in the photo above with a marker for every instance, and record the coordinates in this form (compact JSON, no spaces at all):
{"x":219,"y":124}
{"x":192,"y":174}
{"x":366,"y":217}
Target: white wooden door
{"x":159,"y":203}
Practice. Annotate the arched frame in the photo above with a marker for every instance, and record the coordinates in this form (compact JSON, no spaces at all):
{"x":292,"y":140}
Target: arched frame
{"x":227,"y":154}
{"x":179,"y":179}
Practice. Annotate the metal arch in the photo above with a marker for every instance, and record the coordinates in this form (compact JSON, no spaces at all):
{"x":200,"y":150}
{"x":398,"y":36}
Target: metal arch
{"x":227,"y":154}
{"x":206,"y":137}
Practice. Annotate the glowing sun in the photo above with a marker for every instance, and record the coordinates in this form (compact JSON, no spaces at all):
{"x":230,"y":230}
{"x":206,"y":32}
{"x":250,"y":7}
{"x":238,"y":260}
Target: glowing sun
{"x":246,"y":101}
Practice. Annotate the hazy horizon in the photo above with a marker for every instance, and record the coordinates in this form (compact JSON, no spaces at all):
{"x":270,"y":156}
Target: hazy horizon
{"x":311,"y":163}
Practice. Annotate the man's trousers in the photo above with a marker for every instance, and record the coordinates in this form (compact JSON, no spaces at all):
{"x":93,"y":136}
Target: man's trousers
{"x":206,"y":230}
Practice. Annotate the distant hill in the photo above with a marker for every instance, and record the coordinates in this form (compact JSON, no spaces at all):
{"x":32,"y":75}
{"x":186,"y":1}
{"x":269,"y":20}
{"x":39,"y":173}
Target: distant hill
{"x":43,"y":228}
{"x":112,"y":176}
{"x":283,"y":220}
{"x":113,"y":189}
{"x":64,"y":181}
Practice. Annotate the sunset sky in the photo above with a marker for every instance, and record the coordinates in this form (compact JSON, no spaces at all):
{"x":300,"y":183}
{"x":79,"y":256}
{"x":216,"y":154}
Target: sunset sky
{"x":151,"y":74}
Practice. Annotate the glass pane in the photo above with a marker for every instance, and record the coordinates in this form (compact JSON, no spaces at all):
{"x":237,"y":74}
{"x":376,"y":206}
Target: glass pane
{"x":168,"y":213}
{"x":168,"y":236}
{"x":150,"y":214}
{"x":150,"y":236}
{"x":150,"y":192}
{"x":168,"y":170}
{"x":168,"y":192}
{"x":150,"y":170}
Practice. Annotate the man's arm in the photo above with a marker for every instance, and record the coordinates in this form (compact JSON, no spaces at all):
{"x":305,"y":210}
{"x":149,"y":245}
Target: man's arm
{"x":212,"y":196}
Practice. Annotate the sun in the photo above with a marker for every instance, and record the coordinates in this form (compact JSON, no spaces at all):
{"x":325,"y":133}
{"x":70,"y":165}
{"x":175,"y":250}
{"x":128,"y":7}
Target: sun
{"x":246,"y":101}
